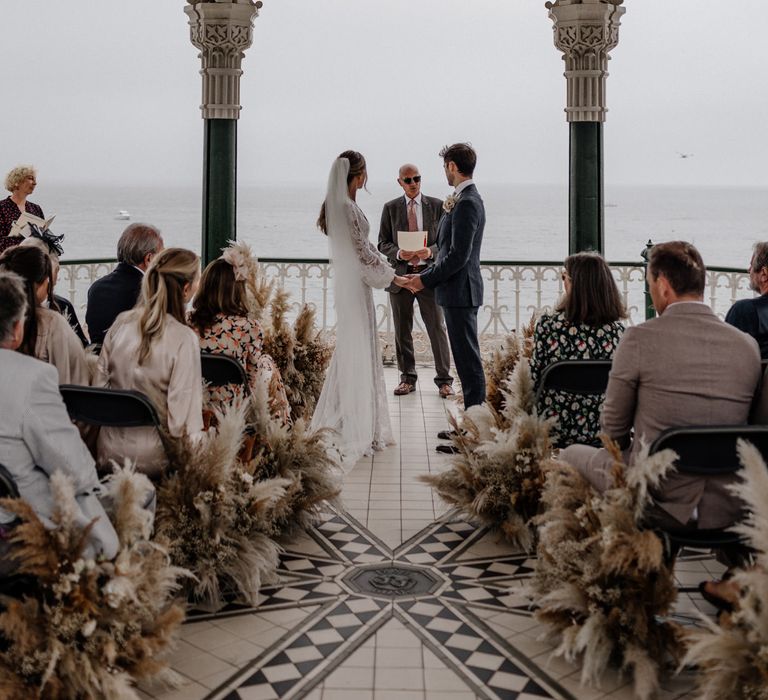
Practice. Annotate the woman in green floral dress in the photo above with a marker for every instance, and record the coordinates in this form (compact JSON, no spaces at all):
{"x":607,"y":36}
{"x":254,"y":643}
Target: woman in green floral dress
{"x":586,"y":324}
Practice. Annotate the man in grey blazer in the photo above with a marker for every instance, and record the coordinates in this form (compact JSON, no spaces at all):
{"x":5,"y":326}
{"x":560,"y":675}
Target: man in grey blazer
{"x":685,"y":367}
{"x":37,"y":437}
{"x":414,"y":212}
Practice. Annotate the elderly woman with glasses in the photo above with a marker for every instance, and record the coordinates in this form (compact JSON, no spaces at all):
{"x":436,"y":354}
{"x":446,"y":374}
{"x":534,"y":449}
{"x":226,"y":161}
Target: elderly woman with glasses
{"x":586,"y":324}
{"x":20,"y":182}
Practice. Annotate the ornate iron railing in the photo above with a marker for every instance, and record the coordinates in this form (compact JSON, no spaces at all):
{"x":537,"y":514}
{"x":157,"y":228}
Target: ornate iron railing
{"x":514,"y":291}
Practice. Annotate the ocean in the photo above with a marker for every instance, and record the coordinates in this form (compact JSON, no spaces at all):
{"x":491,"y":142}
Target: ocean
{"x":524,"y":222}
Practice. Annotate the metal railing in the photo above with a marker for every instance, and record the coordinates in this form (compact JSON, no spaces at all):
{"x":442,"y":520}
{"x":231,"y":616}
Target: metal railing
{"x":514,"y":291}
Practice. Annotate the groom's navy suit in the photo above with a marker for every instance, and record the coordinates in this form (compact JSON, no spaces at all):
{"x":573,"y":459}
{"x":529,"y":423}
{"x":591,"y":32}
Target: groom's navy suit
{"x":458,"y":286}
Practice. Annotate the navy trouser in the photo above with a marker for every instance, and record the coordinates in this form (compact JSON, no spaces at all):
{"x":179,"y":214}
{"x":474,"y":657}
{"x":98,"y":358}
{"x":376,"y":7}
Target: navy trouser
{"x":461,"y":322}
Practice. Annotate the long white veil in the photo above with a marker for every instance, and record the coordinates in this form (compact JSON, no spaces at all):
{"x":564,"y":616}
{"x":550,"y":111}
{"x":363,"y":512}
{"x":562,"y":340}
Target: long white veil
{"x":348,"y":397}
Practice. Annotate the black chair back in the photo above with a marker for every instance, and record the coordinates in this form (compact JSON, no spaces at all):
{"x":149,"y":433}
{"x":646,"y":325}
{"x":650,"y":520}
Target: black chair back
{"x":114,"y":408}
{"x":8,"y":488}
{"x":220,"y":370}
{"x":710,"y":450}
{"x":575,"y":377}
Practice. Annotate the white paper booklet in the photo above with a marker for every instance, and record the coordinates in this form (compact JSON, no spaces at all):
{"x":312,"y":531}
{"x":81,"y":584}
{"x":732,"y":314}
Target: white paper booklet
{"x":20,"y":227}
{"x":411,"y":240}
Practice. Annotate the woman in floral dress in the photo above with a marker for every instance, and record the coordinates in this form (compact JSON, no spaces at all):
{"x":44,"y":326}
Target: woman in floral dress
{"x":221,"y":318}
{"x":586,"y":324}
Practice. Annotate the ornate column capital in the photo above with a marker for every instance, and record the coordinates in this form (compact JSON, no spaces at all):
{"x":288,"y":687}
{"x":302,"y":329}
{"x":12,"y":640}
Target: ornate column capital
{"x":585,"y":31}
{"x":222,"y":30}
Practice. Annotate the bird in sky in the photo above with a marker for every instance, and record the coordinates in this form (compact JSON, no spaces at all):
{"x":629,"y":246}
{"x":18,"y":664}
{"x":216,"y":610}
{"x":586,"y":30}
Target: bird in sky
{"x":685,"y":155}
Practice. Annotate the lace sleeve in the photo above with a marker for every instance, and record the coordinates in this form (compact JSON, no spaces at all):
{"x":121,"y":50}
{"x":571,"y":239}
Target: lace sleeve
{"x":375,"y":270}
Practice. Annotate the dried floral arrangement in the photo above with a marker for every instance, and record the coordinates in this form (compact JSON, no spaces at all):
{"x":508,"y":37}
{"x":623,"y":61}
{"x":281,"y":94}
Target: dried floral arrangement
{"x":732,"y":657}
{"x":303,"y":458}
{"x":213,"y":511}
{"x":85,"y":628}
{"x":601,"y":582}
{"x":499,"y":365}
{"x":499,"y":472}
{"x":301,"y":354}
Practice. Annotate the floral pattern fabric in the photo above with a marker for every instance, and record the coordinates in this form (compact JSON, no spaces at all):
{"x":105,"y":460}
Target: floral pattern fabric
{"x":241,"y":337}
{"x":555,"y":338}
{"x":9,"y":212}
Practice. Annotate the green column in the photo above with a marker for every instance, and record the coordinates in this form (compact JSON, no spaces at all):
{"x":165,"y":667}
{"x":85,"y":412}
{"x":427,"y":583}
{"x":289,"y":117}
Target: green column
{"x":585,"y":196}
{"x":219,"y":187}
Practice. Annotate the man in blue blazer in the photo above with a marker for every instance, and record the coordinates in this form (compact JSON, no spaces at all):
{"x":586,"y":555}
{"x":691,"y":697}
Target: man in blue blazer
{"x":455,"y":276}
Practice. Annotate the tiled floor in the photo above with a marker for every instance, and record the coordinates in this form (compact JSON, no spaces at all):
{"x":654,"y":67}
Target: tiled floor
{"x":471,"y":635}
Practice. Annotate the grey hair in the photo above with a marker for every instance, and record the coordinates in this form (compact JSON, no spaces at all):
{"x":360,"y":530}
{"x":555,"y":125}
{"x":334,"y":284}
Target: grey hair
{"x":138,"y":241}
{"x":13,"y":303}
{"x":760,"y":256}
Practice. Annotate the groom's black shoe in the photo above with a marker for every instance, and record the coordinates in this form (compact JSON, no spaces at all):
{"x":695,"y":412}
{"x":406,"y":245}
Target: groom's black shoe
{"x":446,"y":435}
{"x":447,"y":449}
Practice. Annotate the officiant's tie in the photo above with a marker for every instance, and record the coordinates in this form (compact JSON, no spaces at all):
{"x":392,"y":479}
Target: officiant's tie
{"x":413,"y":224}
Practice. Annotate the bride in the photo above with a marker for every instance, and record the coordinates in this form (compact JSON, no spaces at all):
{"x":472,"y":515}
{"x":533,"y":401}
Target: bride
{"x":353,"y":400}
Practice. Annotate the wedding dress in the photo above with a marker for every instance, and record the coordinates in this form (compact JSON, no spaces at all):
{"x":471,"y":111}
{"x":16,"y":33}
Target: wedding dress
{"x":353,"y":400}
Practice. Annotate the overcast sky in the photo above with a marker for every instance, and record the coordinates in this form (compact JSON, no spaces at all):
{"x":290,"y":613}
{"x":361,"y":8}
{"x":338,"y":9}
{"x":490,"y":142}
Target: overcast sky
{"x":108,"y":91}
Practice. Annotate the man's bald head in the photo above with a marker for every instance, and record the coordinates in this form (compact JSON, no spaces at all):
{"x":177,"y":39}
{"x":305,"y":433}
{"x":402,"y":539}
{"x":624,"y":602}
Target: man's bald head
{"x":409,"y":179}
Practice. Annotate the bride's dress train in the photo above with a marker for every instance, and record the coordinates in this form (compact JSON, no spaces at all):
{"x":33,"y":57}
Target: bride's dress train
{"x":353,"y":400}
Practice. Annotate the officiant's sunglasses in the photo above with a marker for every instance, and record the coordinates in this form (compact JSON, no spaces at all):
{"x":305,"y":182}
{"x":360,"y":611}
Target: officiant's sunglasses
{"x":409,"y":180}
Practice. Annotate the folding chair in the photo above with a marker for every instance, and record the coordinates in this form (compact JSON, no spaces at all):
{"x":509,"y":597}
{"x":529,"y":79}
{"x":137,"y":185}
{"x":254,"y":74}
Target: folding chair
{"x":588,"y":377}
{"x":707,"y":451}
{"x":220,"y":370}
{"x":114,"y":408}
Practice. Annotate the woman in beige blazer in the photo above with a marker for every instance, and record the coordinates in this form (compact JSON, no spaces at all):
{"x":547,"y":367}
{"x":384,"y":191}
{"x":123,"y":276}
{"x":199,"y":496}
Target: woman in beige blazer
{"x":151,"y":349}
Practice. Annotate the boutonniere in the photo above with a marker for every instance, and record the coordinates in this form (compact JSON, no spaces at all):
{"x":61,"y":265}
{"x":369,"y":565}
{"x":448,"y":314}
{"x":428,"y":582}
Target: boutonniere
{"x":450,"y":202}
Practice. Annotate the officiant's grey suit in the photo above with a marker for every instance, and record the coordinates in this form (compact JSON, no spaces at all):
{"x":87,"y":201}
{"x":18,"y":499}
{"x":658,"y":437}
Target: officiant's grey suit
{"x":458,"y":286}
{"x":394,"y":218}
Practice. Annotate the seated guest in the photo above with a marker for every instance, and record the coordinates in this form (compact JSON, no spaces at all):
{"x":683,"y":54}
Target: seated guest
{"x":47,"y":335}
{"x":51,"y":246}
{"x":585,"y":325}
{"x":21,"y":183}
{"x":751,"y":315}
{"x":119,"y":290}
{"x":36,"y":436}
{"x":221,"y":318}
{"x":685,"y":367}
{"x":152,"y":350}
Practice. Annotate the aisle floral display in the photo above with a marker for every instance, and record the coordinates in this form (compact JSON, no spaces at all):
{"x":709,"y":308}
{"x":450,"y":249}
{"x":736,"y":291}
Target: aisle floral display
{"x":500,"y":364}
{"x":498,"y":474}
{"x":214,"y":511}
{"x":85,"y":628}
{"x":732,"y":657}
{"x":300,"y":353}
{"x":304,"y":459}
{"x":601,"y":582}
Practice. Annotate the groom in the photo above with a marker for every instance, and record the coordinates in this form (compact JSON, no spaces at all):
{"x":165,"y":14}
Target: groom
{"x":455,"y":276}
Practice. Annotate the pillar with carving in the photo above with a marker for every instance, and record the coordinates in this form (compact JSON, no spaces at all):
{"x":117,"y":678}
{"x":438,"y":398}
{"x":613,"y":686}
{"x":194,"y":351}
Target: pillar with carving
{"x":222,"y":30}
{"x":586,"y":31}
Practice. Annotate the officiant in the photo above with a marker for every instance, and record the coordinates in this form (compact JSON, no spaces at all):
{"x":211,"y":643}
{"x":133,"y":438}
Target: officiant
{"x":20,"y":182}
{"x":414,"y":211}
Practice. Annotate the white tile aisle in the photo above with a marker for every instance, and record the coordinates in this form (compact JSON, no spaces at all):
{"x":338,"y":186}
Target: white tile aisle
{"x":466,"y":633}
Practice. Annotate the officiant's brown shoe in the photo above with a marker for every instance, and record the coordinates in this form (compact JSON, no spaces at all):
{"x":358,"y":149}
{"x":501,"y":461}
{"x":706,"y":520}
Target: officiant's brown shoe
{"x":446,"y":391}
{"x":404,"y":388}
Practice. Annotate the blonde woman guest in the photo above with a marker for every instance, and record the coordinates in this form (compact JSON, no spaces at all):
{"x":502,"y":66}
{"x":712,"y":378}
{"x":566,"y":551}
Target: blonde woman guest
{"x":47,"y":335}
{"x":221,"y":318}
{"x":151,"y":349}
{"x":20,"y":182}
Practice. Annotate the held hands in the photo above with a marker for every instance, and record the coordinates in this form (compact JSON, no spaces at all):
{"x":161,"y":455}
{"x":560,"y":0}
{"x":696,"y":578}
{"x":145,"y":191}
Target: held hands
{"x":412,"y":283}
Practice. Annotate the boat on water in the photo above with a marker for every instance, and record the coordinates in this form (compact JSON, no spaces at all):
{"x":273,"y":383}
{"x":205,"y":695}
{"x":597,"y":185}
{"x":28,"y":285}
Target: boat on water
{"x":123,"y":215}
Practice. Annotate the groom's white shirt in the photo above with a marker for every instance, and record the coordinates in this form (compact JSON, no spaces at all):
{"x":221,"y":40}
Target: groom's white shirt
{"x":463,"y":186}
